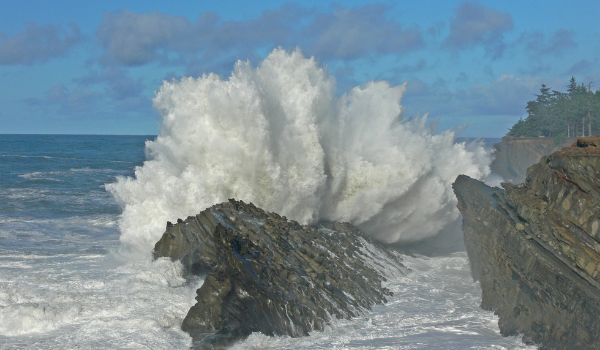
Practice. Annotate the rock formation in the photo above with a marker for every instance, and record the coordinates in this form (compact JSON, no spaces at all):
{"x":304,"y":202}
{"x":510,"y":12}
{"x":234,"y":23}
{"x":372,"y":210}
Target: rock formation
{"x":535,"y":249}
{"x":513,"y":155}
{"x":271,"y":275}
{"x":584,"y":142}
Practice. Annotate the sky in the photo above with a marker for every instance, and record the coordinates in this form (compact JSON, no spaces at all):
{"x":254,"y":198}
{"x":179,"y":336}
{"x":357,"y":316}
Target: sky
{"x":93,"y":67}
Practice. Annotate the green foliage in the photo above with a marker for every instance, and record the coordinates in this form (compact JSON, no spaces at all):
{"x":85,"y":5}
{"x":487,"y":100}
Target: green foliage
{"x":557,"y":114}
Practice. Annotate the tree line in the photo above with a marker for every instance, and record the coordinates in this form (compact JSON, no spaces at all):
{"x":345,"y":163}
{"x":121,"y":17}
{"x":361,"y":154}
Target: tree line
{"x":557,"y":114}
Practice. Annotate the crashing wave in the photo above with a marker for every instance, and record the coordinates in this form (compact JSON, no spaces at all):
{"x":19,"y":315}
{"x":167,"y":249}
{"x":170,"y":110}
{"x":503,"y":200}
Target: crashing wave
{"x":277,"y":135}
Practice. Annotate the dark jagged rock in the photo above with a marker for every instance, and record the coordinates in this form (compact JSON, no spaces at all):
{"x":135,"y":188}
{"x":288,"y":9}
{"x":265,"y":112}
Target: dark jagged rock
{"x":535,"y":248}
{"x":270,"y":275}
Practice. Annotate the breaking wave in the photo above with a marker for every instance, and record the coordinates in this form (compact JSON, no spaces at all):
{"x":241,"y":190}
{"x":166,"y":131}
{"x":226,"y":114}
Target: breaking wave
{"x":278,"y":136}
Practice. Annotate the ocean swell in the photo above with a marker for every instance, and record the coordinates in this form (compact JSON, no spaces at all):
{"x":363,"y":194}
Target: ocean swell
{"x":278,"y":136}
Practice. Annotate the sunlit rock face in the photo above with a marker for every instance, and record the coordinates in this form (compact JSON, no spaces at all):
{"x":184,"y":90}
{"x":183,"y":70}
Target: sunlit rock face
{"x":535,"y":248}
{"x":268,"y":274}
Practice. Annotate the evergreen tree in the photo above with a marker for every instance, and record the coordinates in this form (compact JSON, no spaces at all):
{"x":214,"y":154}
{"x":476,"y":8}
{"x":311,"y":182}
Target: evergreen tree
{"x":558,"y":114}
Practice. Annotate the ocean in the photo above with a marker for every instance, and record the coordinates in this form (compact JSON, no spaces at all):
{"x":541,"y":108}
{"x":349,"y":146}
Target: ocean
{"x":68,"y":279}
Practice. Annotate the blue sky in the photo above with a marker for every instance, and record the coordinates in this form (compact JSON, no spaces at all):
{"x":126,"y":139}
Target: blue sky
{"x":90,"y":67}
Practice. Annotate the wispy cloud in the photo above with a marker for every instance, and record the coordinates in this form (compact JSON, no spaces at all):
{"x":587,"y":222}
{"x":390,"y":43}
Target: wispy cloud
{"x":583,"y":66}
{"x":349,"y":33}
{"x":37,"y":44}
{"x":507,"y":95}
{"x":474,"y":24}
{"x":134,"y":39}
{"x":77,"y":101}
{"x":538,"y":43}
{"x":414,"y":68}
{"x":126,"y":92}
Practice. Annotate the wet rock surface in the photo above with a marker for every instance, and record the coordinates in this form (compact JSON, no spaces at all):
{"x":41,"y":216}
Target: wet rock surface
{"x":267,"y":274}
{"x":535,"y":248}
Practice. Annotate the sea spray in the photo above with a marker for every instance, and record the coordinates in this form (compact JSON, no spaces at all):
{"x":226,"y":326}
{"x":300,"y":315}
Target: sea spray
{"x":278,"y":136}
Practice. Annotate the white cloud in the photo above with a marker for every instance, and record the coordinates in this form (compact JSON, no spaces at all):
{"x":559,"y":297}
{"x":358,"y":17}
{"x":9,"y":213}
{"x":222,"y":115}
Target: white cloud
{"x":537,"y":43}
{"x":134,"y":39}
{"x":37,"y":44}
{"x":475,"y":24}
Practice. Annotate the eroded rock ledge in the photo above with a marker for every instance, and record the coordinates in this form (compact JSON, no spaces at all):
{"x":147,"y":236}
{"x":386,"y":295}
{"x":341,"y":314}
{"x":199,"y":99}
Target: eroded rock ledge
{"x":272,"y":275}
{"x":535,"y":248}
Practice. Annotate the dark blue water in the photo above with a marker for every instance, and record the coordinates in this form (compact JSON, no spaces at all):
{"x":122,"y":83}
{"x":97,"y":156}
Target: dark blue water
{"x":53,"y":185}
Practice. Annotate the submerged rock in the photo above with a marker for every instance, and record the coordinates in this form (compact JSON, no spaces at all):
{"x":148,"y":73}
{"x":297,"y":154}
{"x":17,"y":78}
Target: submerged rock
{"x":535,"y":248}
{"x":271,"y":275}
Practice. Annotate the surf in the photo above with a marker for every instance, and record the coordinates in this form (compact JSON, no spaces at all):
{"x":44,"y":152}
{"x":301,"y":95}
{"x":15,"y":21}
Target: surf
{"x":277,"y":135}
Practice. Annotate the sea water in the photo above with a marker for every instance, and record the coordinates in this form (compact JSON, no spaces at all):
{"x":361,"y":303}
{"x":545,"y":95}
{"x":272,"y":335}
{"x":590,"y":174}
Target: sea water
{"x":64,"y":284}
{"x":79,"y":215}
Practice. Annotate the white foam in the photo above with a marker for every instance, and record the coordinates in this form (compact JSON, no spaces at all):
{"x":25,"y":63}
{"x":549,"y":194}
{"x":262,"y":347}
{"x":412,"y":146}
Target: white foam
{"x":23,"y":156}
{"x":57,"y":175}
{"x":84,"y":304}
{"x":42,"y":175}
{"x":277,"y":136}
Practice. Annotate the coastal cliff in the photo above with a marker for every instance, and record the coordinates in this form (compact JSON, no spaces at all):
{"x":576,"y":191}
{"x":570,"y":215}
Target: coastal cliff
{"x":513,"y":155}
{"x":535,"y":248}
{"x":267,"y":274}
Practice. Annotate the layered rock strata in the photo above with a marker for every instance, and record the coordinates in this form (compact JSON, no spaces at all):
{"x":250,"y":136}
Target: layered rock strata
{"x":535,"y":249}
{"x":272,"y":275}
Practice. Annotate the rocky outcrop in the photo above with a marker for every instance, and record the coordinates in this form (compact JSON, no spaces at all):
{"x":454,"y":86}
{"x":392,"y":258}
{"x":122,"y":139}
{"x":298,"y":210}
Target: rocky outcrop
{"x":584,"y":142}
{"x":513,"y":155}
{"x":272,"y":275}
{"x":535,"y":249}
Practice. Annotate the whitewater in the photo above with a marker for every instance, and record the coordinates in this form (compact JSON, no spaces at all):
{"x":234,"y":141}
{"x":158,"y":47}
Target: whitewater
{"x":80,"y":214}
{"x":278,"y":137}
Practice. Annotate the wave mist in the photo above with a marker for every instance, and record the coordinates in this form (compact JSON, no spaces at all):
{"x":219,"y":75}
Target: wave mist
{"x":277,"y":135}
